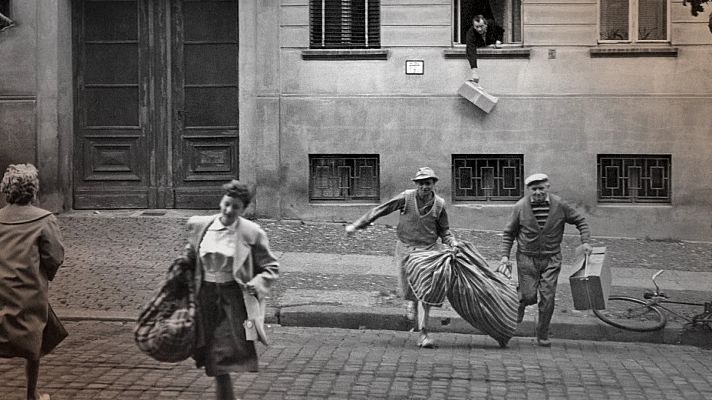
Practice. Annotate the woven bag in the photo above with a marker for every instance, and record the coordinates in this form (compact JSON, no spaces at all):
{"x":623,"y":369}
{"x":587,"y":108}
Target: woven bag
{"x":165,"y":330}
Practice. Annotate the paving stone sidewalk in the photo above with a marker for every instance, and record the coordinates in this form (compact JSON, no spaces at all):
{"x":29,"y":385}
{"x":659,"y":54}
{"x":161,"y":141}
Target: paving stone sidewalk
{"x":115,"y":260}
{"x":100,"y":361}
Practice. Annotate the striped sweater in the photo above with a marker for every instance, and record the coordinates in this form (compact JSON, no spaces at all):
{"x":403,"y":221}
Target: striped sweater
{"x":535,"y":240}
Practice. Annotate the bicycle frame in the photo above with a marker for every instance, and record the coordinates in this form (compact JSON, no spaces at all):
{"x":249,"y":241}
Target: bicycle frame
{"x":657,"y":298}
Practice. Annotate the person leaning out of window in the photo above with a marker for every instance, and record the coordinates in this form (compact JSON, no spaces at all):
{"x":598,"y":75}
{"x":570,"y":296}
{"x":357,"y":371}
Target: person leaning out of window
{"x":482,"y":33}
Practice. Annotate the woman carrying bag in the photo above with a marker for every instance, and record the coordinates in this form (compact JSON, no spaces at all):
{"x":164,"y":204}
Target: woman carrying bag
{"x":234,"y":270}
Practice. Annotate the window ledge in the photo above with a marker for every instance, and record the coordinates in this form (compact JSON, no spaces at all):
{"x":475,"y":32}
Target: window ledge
{"x":634,"y":52}
{"x":489,"y":52}
{"x":345,"y":54}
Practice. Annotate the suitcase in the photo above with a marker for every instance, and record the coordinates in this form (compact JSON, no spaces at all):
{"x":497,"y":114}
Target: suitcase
{"x":477,"y":95}
{"x":591,"y":283}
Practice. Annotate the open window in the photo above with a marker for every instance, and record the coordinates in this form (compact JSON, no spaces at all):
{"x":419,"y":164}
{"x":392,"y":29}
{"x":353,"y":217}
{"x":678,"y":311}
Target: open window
{"x":505,"y":13}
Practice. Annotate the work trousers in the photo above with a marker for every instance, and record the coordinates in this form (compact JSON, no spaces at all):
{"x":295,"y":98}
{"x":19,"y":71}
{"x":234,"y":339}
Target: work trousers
{"x":538,"y":276}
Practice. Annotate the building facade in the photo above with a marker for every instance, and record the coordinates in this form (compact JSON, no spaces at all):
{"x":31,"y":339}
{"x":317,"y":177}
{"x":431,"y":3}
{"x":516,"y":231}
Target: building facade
{"x":329,"y":107}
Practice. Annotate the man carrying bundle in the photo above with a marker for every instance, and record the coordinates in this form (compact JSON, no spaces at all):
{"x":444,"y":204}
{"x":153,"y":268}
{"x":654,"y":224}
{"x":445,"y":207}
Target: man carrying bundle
{"x":423,"y":220}
{"x":537,"y":223}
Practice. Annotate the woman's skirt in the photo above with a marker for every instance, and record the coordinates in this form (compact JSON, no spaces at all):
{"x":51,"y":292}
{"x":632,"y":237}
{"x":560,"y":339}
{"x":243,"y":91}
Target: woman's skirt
{"x":220,"y":345}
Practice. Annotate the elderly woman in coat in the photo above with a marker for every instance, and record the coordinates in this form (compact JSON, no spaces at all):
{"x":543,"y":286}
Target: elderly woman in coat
{"x":30,"y":254}
{"x":234,"y":269}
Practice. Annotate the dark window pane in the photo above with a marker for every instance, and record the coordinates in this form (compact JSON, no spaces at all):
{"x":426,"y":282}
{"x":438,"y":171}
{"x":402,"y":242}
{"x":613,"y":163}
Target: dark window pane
{"x":210,"y":63}
{"x":211,"y":106}
{"x":110,"y":20}
{"x":210,"y":21}
{"x":111,"y":63}
{"x":652,"y":19}
{"x":614,"y":20}
{"x":112,"y":106}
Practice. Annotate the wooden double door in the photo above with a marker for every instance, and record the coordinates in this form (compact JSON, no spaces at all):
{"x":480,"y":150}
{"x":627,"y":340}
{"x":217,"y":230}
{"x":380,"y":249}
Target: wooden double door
{"x":156,"y":102}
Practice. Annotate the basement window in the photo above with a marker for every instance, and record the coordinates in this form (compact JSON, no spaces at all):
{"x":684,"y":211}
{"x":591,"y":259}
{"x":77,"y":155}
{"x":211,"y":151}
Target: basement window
{"x":340,"y":177}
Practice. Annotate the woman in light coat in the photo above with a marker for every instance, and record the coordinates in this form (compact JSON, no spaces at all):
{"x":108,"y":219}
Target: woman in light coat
{"x":30,"y":253}
{"x":234,"y":269}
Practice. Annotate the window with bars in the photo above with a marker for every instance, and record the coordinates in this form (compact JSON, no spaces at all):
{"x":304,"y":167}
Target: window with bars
{"x":632,"y":178}
{"x":344,"y":24}
{"x":487,"y":177}
{"x":507,"y":14}
{"x":633,"y":20}
{"x":335,"y":177}
{"x":5,"y":17}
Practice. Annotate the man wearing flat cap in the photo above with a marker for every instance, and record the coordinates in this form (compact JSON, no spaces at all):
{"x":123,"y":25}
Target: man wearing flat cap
{"x":537,"y":223}
{"x":423,"y":220}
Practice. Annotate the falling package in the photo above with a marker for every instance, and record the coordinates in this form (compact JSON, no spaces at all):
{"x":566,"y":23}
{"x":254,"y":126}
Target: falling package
{"x":477,"y":95}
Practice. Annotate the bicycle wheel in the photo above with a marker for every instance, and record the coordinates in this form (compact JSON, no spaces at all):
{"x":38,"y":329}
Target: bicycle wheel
{"x":631,"y":314}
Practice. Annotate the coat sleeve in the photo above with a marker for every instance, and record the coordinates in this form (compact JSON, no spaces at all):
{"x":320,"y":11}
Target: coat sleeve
{"x":396,"y":203}
{"x":444,"y":228}
{"x":50,"y":247}
{"x":574,"y":217}
{"x":471,"y":48}
{"x":265,"y":264}
{"x":511,"y":230}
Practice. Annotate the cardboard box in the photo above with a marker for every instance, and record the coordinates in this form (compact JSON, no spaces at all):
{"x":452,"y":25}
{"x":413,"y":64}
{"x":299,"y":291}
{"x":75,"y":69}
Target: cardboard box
{"x":591,"y":283}
{"x":477,"y":95}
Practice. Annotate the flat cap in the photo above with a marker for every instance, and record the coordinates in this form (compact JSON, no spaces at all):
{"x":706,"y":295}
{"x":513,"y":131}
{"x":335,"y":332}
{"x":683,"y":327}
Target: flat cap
{"x":535,"y":178}
{"x":425,"y":173}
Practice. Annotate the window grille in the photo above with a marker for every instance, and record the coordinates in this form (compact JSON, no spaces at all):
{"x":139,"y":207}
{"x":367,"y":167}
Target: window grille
{"x":633,"y":20}
{"x":507,"y":14}
{"x":5,"y":20}
{"x":634,"y":178}
{"x":345,"y":24}
{"x":496,"y":177}
{"x":344,"y":177}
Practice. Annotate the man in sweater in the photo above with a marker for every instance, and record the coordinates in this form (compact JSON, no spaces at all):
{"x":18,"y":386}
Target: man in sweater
{"x":537,"y":223}
{"x":423,"y":220}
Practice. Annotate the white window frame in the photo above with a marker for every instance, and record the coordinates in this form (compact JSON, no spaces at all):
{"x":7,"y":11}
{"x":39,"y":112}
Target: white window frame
{"x":459,"y":42}
{"x":633,"y":24}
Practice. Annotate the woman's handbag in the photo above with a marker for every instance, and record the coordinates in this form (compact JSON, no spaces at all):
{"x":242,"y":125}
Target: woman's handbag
{"x":165,"y":330}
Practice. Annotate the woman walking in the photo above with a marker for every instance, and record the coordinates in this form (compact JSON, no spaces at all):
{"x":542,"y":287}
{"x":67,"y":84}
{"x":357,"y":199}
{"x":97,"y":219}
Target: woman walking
{"x":31,"y":251}
{"x":234,"y":269}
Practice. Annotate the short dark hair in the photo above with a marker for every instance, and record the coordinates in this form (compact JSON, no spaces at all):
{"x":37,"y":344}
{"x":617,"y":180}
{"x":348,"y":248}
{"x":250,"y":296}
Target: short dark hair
{"x":239,"y":190}
{"x":20,"y":183}
{"x":479,"y":18}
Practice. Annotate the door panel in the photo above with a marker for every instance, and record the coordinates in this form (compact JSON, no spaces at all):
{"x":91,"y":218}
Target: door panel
{"x":205,"y":100}
{"x":142,"y":140}
{"x":111,"y":101}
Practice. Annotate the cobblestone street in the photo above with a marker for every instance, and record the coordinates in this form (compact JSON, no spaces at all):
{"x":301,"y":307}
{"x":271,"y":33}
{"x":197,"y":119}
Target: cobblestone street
{"x":100,"y":361}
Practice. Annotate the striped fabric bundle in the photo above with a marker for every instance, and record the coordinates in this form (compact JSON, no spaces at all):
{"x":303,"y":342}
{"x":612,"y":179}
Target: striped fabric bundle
{"x":478,"y":294}
{"x":429,"y":274}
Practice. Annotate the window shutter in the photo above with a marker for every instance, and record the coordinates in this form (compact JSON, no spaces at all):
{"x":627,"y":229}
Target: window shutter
{"x":345,"y":24}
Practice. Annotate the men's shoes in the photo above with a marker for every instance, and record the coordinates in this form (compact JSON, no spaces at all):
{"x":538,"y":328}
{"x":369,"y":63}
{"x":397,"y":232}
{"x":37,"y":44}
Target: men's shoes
{"x":425,"y":342}
{"x":543,"y":342}
{"x":520,"y":314}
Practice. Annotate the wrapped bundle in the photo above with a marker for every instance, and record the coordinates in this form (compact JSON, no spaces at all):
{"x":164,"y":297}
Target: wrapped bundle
{"x":429,"y":275}
{"x":479,"y":295}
